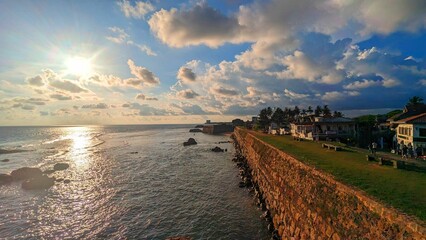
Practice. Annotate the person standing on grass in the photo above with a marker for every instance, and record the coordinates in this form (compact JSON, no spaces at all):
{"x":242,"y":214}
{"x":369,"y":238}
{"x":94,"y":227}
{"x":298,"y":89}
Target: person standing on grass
{"x":404,"y":151}
{"x":374,"y":147}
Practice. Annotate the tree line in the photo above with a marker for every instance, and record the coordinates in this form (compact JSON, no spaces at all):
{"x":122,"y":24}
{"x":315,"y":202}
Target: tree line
{"x":282,"y":117}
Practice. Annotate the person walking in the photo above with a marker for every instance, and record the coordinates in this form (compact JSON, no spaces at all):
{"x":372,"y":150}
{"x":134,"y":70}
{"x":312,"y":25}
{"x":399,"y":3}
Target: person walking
{"x":374,"y":147}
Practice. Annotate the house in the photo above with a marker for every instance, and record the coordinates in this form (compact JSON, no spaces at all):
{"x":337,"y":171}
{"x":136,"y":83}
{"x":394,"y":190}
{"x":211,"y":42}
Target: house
{"x":408,"y":111}
{"x":412,"y":130}
{"x":323,"y":128}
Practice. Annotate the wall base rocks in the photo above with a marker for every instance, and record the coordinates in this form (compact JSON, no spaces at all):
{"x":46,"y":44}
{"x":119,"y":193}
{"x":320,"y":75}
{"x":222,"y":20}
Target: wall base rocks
{"x":305,"y":203}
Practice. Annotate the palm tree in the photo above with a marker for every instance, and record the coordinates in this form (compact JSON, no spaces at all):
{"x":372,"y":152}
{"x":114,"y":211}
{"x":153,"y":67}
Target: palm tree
{"x":318,"y":111}
{"x":414,"y":101}
{"x":326,"y":112}
{"x":309,"y":111}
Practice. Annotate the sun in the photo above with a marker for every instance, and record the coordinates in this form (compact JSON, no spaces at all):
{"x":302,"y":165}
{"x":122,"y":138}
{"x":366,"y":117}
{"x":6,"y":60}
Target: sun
{"x":79,"y":66}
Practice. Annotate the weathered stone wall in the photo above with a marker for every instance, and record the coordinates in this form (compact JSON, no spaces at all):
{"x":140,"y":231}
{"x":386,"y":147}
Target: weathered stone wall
{"x":306,"y":203}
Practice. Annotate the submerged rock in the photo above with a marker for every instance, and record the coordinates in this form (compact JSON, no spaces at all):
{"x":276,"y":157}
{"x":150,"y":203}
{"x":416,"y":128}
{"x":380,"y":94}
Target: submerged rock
{"x":190,"y":141}
{"x":48,"y":171}
{"x":61,"y":166}
{"x":217,"y":149}
{"x":41,"y":182}
{"x":5,"y":179}
{"x":25,"y":173}
{"x":5,"y":160}
{"x":195,"y":130}
{"x":67,"y":181}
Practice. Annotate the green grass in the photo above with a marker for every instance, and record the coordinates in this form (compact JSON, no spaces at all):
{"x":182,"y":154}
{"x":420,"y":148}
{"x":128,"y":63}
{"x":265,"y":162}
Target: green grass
{"x":404,"y":190}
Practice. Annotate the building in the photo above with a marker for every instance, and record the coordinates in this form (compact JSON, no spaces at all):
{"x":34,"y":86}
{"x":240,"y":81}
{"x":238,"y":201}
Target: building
{"x":412,"y":131}
{"x":408,"y":111}
{"x":323,"y":128}
{"x":218,"y":128}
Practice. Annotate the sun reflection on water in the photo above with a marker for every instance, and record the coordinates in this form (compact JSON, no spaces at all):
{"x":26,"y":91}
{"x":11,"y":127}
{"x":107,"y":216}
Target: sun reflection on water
{"x":81,"y":142}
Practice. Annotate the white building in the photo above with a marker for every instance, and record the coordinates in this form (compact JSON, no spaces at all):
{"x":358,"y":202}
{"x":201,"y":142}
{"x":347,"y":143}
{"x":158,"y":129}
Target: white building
{"x":412,"y":130}
{"x":322,"y":128}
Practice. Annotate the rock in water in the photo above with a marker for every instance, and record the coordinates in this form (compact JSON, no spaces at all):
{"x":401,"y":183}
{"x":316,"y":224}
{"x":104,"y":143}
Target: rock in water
{"x":41,"y":182}
{"x":25,"y":173}
{"x":5,"y":179}
{"x":5,"y":160}
{"x":195,"y":130}
{"x":61,"y":166}
{"x":190,"y":141}
{"x":217,"y":149}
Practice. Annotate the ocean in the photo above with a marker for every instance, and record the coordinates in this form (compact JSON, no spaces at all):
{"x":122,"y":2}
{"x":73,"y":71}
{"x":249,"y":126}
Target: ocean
{"x":126,"y":182}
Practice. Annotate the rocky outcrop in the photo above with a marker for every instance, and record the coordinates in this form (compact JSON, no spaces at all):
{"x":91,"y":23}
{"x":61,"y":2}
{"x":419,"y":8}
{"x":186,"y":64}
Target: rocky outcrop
{"x":5,"y":179}
{"x":40,"y":182}
{"x":193,"y":130}
{"x":26,"y":173}
{"x":60,"y":166}
{"x":190,"y":141}
{"x":305,"y":203}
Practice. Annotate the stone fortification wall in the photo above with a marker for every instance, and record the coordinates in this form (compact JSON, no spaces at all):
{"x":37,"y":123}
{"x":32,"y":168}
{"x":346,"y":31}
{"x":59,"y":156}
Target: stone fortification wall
{"x":306,"y":203}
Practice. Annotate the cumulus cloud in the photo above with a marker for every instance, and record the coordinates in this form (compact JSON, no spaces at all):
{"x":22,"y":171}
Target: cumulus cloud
{"x":141,"y":96}
{"x":187,"y":94}
{"x":146,"y":110}
{"x":143,"y":75}
{"x":422,"y":82}
{"x":335,"y":95}
{"x":224,"y":91}
{"x":293,"y":95}
{"x":191,"y":109}
{"x":138,"y":11}
{"x":36,"y":81}
{"x":199,"y":25}
{"x":186,"y":74}
{"x":277,"y":19}
{"x":362,"y":84}
{"x":96,"y":106}
{"x":55,"y":80}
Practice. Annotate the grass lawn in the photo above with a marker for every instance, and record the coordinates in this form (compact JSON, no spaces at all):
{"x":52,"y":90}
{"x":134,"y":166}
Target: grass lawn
{"x":404,"y":190}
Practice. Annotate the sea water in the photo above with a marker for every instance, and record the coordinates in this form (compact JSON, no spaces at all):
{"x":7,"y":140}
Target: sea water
{"x":125,"y":182}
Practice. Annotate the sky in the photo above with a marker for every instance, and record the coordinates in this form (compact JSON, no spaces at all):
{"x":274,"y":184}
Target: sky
{"x":161,"y":62}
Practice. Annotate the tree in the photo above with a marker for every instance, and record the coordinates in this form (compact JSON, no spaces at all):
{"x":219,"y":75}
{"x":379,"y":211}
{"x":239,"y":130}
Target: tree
{"x":309,"y":111}
{"x":296,"y":111}
{"x":318,"y":111}
{"x":278,"y":116}
{"x":337,"y":114}
{"x":414,"y":101}
{"x":326,"y":112}
{"x":265,"y":117}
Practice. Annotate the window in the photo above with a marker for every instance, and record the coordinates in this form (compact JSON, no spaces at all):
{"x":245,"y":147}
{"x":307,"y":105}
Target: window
{"x":422,"y":132}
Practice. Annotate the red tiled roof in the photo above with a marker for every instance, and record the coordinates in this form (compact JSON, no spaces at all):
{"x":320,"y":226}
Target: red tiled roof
{"x":421,"y":118}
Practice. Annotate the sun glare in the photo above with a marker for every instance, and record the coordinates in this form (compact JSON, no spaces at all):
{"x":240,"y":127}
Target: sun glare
{"x":79,"y":66}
